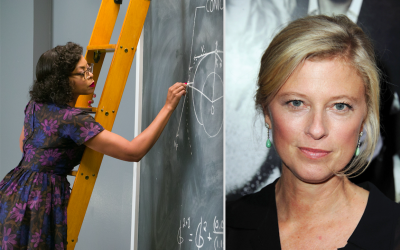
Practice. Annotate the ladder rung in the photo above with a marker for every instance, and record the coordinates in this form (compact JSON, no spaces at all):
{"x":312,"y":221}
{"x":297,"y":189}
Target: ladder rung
{"x":88,"y":109}
{"x":73,"y":173}
{"x":103,"y":47}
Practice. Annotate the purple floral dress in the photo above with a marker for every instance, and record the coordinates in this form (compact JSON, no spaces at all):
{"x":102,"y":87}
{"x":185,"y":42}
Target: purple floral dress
{"x":34,"y":195}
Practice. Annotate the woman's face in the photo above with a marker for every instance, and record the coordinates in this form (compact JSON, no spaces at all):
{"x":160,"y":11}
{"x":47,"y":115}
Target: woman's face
{"x":316,"y":119}
{"x":81,"y":85}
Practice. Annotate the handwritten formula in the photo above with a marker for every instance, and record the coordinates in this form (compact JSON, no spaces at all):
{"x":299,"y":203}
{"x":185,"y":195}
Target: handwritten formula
{"x":201,"y":234}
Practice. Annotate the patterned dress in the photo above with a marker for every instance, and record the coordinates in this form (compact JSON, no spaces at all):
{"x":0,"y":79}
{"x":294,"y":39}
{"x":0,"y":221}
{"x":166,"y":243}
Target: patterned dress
{"x":34,"y":195}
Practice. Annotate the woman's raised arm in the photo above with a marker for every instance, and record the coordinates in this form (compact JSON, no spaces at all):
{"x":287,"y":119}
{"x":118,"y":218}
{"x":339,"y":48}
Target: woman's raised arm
{"x":118,"y":147}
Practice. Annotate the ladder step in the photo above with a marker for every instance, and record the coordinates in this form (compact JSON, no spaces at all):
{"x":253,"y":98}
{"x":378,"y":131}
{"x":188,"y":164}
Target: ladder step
{"x":88,"y":109}
{"x":102,"y":48}
{"x":73,"y":173}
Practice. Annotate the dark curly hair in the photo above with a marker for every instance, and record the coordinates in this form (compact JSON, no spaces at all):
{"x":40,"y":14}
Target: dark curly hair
{"x":52,"y":84}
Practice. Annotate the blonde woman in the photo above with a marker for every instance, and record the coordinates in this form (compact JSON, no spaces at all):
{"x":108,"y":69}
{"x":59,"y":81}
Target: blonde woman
{"x":318,"y":88}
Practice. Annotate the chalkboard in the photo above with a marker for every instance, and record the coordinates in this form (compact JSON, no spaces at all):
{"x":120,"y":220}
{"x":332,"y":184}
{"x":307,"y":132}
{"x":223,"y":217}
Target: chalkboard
{"x":181,"y":178}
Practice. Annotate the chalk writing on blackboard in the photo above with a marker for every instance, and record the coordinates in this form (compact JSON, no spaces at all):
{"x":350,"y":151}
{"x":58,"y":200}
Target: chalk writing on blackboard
{"x":214,"y":5}
{"x":185,"y":43}
{"x":203,"y":236}
{"x":204,"y":79}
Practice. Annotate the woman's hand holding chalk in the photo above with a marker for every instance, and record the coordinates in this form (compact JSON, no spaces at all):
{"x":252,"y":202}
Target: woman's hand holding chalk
{"x":175,"y":92}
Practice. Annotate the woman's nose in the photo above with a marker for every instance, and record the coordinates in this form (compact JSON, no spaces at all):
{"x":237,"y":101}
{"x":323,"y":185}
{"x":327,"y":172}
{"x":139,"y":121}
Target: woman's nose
{"x":316,"y":127}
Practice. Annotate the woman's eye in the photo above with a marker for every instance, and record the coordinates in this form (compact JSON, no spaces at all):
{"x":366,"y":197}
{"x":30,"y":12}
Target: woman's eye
{"x":341,"y":106}
{"x":296,"y":103}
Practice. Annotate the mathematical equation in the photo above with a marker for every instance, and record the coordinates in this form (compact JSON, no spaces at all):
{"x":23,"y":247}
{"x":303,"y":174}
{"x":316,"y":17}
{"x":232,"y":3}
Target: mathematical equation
{"x":202,"y":234}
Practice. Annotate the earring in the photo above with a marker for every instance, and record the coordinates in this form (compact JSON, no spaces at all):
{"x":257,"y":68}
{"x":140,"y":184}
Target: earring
{"x":268,"y":141}
{"x":358,"y":144}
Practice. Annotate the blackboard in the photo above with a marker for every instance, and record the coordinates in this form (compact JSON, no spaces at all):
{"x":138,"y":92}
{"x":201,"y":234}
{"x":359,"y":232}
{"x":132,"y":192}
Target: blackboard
{"x":181,"y":178}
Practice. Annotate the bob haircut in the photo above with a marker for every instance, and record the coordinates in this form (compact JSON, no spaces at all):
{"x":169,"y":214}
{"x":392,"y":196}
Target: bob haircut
{"x":53,"y":69}
{"x":321,"y":37}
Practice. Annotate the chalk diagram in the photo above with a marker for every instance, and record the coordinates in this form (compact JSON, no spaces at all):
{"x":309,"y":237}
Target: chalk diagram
{"x":205,"y":83}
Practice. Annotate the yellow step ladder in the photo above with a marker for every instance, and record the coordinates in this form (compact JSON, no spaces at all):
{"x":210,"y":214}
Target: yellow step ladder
{"x":107,"y":109}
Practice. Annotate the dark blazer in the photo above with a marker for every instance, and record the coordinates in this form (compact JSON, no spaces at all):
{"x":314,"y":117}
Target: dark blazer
{"x":252,"y":222}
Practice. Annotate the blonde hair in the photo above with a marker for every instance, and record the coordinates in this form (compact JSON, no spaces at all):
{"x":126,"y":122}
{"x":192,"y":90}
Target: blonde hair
{"x":320,"y":37}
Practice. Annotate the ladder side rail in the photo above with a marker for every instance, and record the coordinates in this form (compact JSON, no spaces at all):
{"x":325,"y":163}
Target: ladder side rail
{"x":84,"y":184}
{"x":101,"y":34}
{"x":122,"y":61}
{"x":105,"y":22}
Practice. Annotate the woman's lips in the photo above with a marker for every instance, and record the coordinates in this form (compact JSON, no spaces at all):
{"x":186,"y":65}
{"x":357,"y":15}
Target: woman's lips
{"x":313,"y":153}
{"x":92,"y":85}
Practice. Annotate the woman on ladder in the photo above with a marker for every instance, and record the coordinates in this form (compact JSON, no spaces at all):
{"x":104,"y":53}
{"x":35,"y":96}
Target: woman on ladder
{"x":34,"y":195}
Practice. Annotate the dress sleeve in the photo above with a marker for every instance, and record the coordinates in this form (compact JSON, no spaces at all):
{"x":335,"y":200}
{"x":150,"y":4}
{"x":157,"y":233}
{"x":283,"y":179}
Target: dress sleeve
{"x":87,"y":127}
{"x":78,"y":125}
{"x":27,"y":107}
{"x":28,"y":119}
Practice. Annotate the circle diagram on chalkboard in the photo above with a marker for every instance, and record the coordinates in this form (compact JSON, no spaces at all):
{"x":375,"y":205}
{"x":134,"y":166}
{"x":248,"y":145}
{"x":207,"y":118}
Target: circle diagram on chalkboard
{"x":207,"y":93}
{"x":205,"y":83}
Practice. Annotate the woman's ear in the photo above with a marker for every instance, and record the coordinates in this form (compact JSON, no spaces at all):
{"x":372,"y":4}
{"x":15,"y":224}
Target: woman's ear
{"x":364,"y":121}
{"x":71,"y":83}
{"x":267,"y":117}
{"x":363,"y":124}
{"x":362,"y":127}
